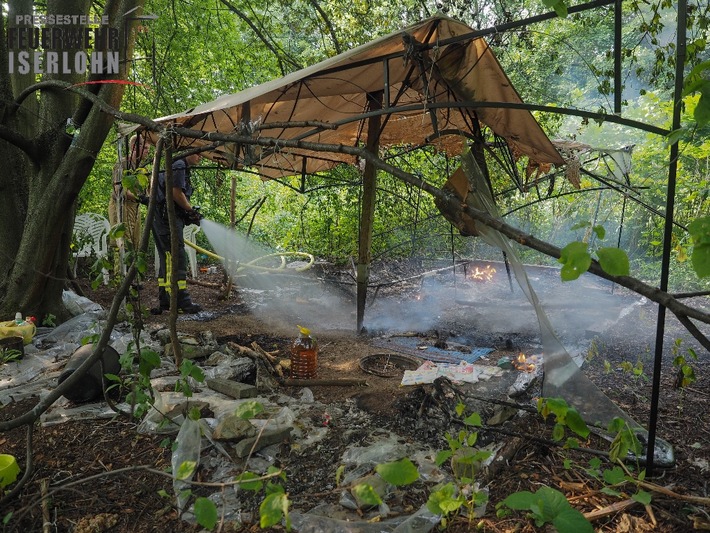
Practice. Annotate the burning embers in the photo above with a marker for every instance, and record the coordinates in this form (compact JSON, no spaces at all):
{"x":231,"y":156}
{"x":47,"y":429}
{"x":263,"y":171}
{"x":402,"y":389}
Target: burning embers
{"x":524,"y":364}
{"x":483,"y":274}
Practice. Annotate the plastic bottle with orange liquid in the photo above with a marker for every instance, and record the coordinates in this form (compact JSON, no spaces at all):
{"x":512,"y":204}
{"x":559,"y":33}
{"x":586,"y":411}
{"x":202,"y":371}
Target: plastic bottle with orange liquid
{"x":304,"y":355}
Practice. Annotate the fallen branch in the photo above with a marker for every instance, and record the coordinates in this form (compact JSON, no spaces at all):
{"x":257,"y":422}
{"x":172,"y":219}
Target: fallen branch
{"x":46,"y":519}
{"x":271,"y":362}
{"x":610,"y":509}
{"x":209,"y":285}
{"x":700,"y":500}
{"x":273,"y":377}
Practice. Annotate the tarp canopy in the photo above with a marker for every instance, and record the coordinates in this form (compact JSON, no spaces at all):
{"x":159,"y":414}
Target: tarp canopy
{"x":425,"y":81}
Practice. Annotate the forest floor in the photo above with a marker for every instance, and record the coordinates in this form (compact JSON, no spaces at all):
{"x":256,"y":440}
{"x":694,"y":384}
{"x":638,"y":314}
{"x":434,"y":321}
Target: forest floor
{"x":103,"y":475}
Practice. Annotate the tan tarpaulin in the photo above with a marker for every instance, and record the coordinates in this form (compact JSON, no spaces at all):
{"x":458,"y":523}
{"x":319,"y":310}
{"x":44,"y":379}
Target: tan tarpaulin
{"x":430,"y":90}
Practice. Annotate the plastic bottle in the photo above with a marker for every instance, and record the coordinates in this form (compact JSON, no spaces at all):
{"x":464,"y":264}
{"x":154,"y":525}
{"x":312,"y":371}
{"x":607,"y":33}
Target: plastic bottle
{"x":18,"y":319}
{"x":304,"y":355}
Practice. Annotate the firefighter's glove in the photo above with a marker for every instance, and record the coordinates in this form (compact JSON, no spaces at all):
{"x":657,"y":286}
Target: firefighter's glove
{"x":194,"y":216}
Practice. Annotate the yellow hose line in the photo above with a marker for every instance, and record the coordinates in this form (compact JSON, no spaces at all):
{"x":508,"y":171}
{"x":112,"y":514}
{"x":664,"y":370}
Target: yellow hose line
{"x":252,"y":264}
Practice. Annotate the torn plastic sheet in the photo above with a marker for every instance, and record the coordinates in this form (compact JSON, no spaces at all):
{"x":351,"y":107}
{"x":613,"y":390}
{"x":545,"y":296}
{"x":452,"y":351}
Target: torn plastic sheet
{"x":462,"y":373}
{"x":563,"y":378}
{"x":422,"y":521}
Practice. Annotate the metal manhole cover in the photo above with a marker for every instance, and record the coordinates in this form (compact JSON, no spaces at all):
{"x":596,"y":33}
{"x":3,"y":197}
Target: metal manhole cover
{"x":388,"y":365}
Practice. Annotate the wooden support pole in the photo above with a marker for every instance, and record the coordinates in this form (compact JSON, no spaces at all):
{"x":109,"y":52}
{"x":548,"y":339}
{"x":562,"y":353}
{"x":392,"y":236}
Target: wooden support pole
{"x":367,"y":215}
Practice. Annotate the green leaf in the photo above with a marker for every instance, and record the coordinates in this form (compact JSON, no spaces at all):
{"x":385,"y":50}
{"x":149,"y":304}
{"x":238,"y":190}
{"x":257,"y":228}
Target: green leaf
{"x":600,"y":232}
{"x":700,"y":260}
{"x":702,"y":109}
{"x":206,"y":513}
{"x":443,"y":501}
{"x":520,"y":501}
{"x":474,"y":419}
{"x":614,"y":476}
{"x":576,"y":260}
{"x":643,"y":497}
{"x":614,"y":261}
{"x":558,"y":432}
{"x":580,"y":225}
{"x":246,"y":483}
{"x":398,"y":473}
{"x":572,"y":520}
{"x":248,"y":410}
{"x":442,"y":456}
{"x":148,"y":361}
{"x":699,"y":230}
{"x":365,"y":494}
{"x":272,"y":509}
{"x":186,"y":469}
{"x":575,"y":422}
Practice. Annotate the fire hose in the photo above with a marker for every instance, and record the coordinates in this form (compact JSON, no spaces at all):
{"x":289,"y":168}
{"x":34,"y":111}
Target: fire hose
{"x":254,"y":262}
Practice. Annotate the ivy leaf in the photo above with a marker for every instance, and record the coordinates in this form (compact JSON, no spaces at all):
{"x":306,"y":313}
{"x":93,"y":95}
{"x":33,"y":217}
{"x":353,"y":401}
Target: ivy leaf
{"x":614,"y":261}
{"x":398,"y":473}
{"x":600,"y":232}
{"x":206,"y":513}
{"x":576,"y":260}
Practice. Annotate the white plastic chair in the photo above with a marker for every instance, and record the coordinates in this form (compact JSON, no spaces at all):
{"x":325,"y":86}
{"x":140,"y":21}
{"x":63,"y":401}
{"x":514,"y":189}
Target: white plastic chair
{"x":91,"y":234}
{"x":189,"y":233}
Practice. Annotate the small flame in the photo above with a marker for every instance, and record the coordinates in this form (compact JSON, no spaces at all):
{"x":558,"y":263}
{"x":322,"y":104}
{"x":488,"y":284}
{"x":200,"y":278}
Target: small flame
{"x":483,"y":274}
{"x":521,"y":364}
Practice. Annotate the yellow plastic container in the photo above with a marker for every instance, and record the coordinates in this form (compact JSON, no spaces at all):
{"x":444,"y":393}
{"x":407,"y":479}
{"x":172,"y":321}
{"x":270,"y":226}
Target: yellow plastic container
{"x":11,"y":328}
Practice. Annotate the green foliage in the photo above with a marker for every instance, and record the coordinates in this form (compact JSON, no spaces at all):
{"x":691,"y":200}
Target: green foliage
{"x":205,"y":512}
{"x":696,"y":82}
{"x":625,"y":440}
{"x":274,"y":507}
{"x":576,"y":258}
{"x":565,"y":417}
{"x":9,"y":355}
{"x":398,"y":473}
{"x":188,"y":369}
{"x":548,"y":506}
{"x":249,"y":409}
{"x":699,"y":231}
{"x":685,"y":374}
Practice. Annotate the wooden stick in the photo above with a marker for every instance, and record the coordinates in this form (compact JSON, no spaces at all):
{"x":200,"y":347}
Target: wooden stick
{"x":700,"y":500}
{"x":271,"y":363}
{"x":46,"y":523}
{"x":204,"y":283}
{"x":610,"y":509}
{"x":325,"y":383}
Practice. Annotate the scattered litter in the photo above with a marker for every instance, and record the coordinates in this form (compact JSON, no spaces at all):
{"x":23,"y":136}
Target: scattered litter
{"x":417,"y":347}
{"x":462,"y":372}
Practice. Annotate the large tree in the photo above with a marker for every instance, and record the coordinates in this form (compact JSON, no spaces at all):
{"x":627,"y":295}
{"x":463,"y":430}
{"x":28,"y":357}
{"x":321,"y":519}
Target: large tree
{"x":45,"y":162}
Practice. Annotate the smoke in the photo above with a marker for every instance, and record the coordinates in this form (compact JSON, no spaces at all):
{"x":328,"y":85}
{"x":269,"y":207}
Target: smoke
{"x":276,"y":285}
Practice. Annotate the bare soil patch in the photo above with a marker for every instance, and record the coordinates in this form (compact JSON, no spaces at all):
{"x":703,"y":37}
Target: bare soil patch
{"x":86,"y":466}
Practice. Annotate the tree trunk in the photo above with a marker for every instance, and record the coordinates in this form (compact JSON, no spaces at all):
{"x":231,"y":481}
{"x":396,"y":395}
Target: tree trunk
{"x":47,"y":165}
